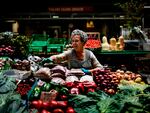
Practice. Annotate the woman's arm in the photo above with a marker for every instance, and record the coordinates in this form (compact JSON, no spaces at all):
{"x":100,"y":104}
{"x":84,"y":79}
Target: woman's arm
{"x":96,"y":64}
{"x":60,"y":57}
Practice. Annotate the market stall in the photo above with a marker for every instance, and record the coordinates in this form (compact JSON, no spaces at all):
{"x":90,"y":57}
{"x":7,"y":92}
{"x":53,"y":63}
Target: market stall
{"x":28,"y":86}
{"x":69,"y":91}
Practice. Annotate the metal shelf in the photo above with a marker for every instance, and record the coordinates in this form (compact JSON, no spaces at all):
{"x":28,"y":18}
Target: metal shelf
{"x":125,"y":52}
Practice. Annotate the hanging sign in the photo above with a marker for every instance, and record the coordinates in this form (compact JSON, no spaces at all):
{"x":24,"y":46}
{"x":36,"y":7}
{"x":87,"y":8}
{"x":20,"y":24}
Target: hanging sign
{"x":71,"y":9}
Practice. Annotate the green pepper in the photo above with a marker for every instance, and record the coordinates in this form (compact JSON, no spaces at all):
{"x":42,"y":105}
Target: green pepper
{"x":64,"y":90}
{"x":37,"y":89}
{"x":36,"y":93}
{"x":46,"y":87}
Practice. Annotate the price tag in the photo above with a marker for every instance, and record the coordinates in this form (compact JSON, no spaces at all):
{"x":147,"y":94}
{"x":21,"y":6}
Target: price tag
{"x":47,"y":96}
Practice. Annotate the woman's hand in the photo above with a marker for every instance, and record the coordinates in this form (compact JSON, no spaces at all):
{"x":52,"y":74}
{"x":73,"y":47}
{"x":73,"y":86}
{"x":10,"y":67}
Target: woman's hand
{"x":47,"y":60}
{"x":86,"y":71}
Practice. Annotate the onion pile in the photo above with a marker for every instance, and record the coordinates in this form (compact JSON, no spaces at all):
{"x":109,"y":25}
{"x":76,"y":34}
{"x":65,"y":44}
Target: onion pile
{"x":106,"y":81}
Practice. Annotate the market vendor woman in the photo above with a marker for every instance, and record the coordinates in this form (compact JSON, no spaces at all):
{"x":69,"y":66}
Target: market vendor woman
{"x":78,"y":57}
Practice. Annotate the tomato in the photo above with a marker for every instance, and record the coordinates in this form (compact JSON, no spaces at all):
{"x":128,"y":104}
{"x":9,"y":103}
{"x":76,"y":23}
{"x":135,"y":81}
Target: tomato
{"x":80,"y":86}
{"x":45,"y":105}
{"x":40,"y":102}
{"x":90,"y":90}
{"x":34,"y":104}
{"x":93,"y":43}
{"x":69,"y":84}
{"x":37,"y":104}
{"x":57,"y":110}
{"x":45,"y":111}
{"x":62,"y":104}
{"x":63,"y":97}
{"x":70,"y":110}
{"x":53,"y":104}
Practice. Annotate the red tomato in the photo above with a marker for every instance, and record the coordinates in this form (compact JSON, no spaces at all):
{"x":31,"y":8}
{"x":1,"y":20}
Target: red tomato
{"x":34,"y":103}
{"x":45,"y":105}
{"x":53,"y":104}
{"x":70,"y":110}
{"x":45,"y":111}
{"x":40,"y":102}
{"x":57,"y":110}
{"x":90,"y":90}
{"x":62,"y":104}
{"x":63,"y":97}
{"x":37,"y":104}
{"x":69,"y":84}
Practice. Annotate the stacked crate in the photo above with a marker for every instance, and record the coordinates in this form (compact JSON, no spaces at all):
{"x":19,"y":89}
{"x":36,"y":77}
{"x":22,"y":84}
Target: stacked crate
{"x":38,"y":44}
{"x":56,"y":45}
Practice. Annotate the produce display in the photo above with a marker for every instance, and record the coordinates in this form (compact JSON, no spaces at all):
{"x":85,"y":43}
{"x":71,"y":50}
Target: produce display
{"x":114,"y":44}
{"x":59,"y":90}
{"x":6,"y":50}
{"x":27,"y":86}
{"x":13,"y":44}
{"x":93,"y":43}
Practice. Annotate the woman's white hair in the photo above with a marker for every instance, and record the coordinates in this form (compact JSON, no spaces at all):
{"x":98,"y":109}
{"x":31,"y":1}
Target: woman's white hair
{"x":82,"y":34}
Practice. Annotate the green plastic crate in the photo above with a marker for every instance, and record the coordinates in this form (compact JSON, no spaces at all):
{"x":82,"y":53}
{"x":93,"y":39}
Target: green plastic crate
{"x":56,"y":40}
{"x":38,"y":43}
{"x":38,"y":46}
{"x":40,"y":37}
{"x":56,"y":45}
{"x":55,"y":48}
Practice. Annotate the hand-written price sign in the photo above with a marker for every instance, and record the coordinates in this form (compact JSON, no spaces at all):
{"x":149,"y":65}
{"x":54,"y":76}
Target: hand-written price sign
{"x":93,"y":40}
{"x":93,"y":35}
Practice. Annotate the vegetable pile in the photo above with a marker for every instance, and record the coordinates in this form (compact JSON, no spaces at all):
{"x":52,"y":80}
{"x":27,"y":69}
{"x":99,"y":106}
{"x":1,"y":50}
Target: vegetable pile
{"x":133,"y":98}
{"x":105,"y":91}
{"x":93,"y":43}
{"x":49,"y":97}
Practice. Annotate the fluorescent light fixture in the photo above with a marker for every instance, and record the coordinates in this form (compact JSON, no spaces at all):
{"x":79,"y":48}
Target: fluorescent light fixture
{"x":146,"y":6}
{"x":121,"y":16}
{"x":11,"y":21}
{"x":55,"y":16}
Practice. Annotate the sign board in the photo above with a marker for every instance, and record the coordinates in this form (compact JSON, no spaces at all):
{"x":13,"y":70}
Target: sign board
{"x":93,"y":41}
{"x":71,"y":9}
{"x":93,"y":35}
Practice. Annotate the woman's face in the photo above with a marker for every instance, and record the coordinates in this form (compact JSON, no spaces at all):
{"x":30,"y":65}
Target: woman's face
{"x":76,"y":43}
